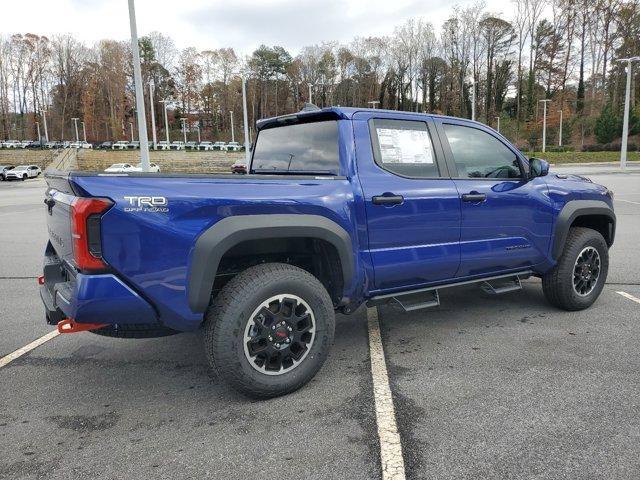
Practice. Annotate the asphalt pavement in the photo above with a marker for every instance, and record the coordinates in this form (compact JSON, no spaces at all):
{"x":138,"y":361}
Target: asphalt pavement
{"x":483,"y":386}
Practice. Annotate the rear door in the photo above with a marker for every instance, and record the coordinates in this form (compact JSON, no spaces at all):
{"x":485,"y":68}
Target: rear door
{"x":412,"y":206}
{"x":506,"y":218}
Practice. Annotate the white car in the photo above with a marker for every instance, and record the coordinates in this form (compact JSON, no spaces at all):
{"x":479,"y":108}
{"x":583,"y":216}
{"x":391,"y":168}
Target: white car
{"x":26,"y":143}
{"x":220,"y":146}
{"x":205,"y":146}
{"x":11,"y":144}
{"x":87,"y":145}
{"x":177,"y":145}
{"x":120,"y":168}
{"x":163,"y":145}
{"x":22,"y":172}
{"x":75,"y":145}
{"x":153,"y":168}
{"x":120,"y":145}
{"x":234,"y":146}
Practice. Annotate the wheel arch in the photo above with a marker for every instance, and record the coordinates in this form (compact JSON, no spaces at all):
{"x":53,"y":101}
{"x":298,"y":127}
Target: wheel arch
{"x":594,"y":214}
{"x":231,"y":232}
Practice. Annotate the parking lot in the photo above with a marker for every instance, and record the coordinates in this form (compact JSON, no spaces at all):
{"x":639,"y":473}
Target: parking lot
{"x":482,"y":386}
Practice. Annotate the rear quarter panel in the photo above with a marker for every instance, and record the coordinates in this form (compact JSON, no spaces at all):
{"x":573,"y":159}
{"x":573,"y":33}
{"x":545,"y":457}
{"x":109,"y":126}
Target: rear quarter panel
{"x":151,"y":248}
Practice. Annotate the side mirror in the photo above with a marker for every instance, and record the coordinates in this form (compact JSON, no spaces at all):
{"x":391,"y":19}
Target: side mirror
{"x":538,"y":167}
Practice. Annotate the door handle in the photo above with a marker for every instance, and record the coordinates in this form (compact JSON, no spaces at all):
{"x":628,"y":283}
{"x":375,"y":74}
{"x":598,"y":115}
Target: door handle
{"x":474,"y":197}
{"x":387,"y":199}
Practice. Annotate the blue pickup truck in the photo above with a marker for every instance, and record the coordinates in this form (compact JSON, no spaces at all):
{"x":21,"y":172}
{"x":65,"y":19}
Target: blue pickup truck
{"x":340,"y":206}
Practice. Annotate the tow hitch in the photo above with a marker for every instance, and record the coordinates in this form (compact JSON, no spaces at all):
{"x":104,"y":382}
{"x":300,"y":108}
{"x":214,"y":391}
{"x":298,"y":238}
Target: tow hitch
{"x":69,"y":326}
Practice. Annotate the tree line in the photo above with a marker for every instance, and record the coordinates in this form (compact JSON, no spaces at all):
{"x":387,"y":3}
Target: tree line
{"x":498,"y":66}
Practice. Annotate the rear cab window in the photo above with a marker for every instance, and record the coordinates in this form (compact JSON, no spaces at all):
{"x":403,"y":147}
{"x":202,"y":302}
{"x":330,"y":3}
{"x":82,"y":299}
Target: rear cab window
{"x":301,"y":148}
{"x":404,"y":148}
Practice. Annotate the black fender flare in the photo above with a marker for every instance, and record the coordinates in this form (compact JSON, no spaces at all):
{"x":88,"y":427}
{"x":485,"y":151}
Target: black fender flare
{"x":580,"y":208}
{"x":214,"y":242}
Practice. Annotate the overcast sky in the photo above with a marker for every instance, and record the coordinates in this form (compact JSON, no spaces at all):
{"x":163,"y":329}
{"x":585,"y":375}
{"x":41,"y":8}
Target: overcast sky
{"x":241,"y":24}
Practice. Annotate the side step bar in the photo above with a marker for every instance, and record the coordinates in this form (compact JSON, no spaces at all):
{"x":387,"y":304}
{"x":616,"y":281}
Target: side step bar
{"x":411,"y":300}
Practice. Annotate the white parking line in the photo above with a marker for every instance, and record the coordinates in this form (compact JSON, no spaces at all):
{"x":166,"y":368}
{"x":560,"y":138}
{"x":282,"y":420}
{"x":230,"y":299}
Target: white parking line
{"x":627,"y":201}
{"x":4,"y":361}
{"x":629,"y":296}
{"x":390,"y":446}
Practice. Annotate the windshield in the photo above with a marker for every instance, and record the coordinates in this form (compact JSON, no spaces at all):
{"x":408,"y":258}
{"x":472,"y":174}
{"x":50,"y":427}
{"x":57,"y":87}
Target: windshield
{"x":21,"y":167}
{"x":117,"y":165}
{"x":303,"y":147}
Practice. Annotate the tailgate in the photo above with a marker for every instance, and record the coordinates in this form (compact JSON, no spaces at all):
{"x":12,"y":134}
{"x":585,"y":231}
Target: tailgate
{"x":58,"y":216}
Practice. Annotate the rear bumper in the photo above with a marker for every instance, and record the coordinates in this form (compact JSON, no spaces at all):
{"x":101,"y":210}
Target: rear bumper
{"x":99,"y":298}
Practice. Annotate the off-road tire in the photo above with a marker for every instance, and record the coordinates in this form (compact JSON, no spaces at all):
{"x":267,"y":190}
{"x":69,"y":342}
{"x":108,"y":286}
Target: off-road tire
{"x":134,"y":331}
{"x":229,"y":313}
{"x":557,"y":284}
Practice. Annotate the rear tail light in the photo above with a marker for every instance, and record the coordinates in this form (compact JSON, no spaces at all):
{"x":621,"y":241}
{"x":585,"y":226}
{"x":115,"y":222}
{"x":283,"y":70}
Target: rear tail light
{"x":85,"y":231}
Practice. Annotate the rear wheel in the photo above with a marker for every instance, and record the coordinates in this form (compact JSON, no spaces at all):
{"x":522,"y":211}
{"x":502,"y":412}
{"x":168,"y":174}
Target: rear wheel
{"x":24,"y":177}
{"x":579,"y":277}
{"x":269,"y":330}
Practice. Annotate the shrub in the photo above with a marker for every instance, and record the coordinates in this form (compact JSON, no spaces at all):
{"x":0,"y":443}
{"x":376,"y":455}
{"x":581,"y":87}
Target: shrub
{"x":608,"y":125}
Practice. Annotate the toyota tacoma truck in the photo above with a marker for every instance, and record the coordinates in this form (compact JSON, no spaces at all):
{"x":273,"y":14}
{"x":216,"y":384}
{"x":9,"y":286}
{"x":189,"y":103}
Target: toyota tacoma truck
{"x":339,"y":207}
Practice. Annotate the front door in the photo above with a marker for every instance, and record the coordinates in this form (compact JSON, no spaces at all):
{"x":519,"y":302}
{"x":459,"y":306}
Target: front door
{"x":506,"y":217}
{"x":412,"y":206}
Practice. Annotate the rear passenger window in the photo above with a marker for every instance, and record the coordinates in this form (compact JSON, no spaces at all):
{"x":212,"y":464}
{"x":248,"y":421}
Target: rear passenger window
{"x":404,"y":147}
{"x":480,"y":155}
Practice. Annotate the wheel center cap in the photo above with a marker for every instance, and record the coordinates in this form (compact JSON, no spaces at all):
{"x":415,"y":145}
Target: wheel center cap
{"x":280,"y":334}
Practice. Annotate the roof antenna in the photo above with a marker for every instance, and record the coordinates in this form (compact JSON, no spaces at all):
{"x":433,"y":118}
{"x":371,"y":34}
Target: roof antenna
{"x":310,"y":107}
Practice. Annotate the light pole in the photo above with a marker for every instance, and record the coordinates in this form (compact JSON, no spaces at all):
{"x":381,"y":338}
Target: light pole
{"x":153,"y":113}
{"x":131,"y":127}
{"x":473,"y":99}
{"x":44,"y":118}
{"x":233,"y":135}
{"x":544,"y":125}
{"x":374,"y":104}
{"x":137,"y":77}
{"x":166,"y":121}
{"x":84,"y":133}
{"x":198,"y":129}
{"x":184,"y":128}
{"x":560,"y":131}
{"x":498,"y":120}
{"x":75,"y":122}
{"x":627,"y":101}
{"x":245,"y":120}
{"x":310,"y":93}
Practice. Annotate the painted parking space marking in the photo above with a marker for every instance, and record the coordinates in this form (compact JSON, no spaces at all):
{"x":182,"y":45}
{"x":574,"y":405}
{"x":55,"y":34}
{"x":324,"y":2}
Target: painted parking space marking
{"x":390,"y":445}
{"x":7,"y":359}
{"x":626,"y":201}
{"x":629,"y":296}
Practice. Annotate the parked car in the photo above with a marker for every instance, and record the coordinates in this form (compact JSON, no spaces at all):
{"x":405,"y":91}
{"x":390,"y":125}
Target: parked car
{"x":205,"y":146}
{"x":239,"y":167}
{"x":120,"y":145}
{"x":35,"y":144}
{"x":191,"y":146}
{"x":3,"y":170}
{"x":153,"y":168}
{"x":134,"y":145}
{"x":50,"y":145}
{"x":22,"y":172}
{"x":75,"y":145}
{"x":120,"y":168}
{"x":163,"y":145}
{"x":12,"y":144}
{"x":234,"y":147}
{"x":26,"y":143}
{"x":324,"y":222}
{"x":177,"y":145}
{"x":220,"y":146}
{"x":105,"y":146}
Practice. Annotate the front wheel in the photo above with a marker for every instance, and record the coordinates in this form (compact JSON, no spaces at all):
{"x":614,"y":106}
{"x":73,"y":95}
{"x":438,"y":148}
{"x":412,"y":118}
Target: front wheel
{"x":269,"y":330}
{"x":24,"y":177}
{"x":579,"y":277}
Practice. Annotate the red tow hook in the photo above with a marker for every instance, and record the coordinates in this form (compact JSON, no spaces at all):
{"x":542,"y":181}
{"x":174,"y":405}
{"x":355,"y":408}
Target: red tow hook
{"x":69,"y":326}
{"x":41,"y":280}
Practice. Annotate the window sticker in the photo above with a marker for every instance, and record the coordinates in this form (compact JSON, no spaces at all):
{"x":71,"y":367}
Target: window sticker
{"x":404,"y":146}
